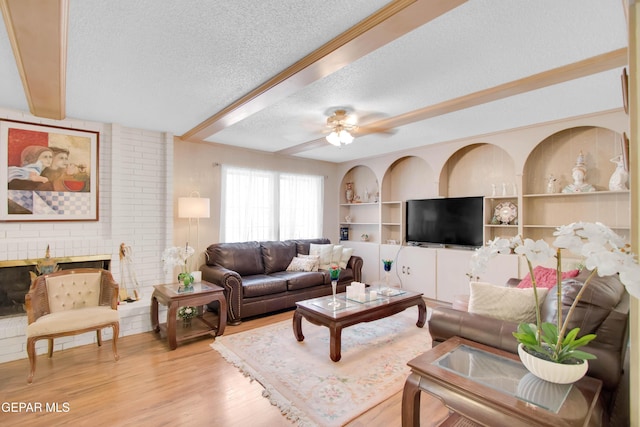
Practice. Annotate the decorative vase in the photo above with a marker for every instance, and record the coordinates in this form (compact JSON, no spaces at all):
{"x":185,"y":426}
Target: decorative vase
{"x":334,"y":286}
{"x":186,"y":322}
{"x":186,"y":279}
{"x":553,"y":372}
{"x":349,"y":194}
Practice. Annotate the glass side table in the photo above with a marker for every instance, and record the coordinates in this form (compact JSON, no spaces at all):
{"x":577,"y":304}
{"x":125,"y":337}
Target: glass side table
{"x":492,"y":387}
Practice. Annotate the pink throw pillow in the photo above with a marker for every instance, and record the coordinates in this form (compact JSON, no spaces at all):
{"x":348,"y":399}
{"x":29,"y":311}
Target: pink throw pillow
{"x":545,"y":277}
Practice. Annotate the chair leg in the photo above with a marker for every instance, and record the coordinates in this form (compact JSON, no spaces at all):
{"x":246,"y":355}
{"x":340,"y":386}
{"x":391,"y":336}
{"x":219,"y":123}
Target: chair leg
{"x":114,"y":340}
{"x":31,"y":352}
{"x":99,"y":335}
{"x":50,"y":351}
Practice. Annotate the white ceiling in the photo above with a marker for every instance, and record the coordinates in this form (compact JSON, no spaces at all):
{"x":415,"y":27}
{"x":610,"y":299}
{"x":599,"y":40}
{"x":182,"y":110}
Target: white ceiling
{"x":168,"y":66}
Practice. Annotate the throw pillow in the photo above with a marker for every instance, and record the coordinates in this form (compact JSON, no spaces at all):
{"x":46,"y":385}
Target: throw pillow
{"x":336,"y":254}
{"x":302,"y":264}
{"x":346,"y":255}
{"x":315,"y":258}
{"x":500,"y":302}
{"x":324,"y":252}
{"x":545,"y":277}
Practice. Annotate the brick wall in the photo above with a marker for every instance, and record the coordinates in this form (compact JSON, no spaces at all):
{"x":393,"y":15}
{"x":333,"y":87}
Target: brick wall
{"x":135,"y":208}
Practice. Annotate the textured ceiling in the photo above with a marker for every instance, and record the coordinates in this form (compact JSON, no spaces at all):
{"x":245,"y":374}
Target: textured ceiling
{"x":159,"y":65}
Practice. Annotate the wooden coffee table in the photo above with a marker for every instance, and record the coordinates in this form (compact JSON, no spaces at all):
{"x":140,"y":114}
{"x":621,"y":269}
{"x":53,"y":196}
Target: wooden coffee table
{"x":491,"y":387}
{"x":318,"y":312}
{"x":202,"y":294}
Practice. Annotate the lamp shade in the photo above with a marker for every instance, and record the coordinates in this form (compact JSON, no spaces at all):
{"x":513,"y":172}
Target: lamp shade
{"x":193,"y":207}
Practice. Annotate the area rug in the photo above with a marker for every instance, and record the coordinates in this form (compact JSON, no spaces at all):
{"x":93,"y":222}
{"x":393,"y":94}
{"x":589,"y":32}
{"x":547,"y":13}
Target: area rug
{"x":310,"y":389}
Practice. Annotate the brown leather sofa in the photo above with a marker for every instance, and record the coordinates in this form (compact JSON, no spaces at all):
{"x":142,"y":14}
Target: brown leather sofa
{"x":603,"y":309}
{"x":255,"y":280}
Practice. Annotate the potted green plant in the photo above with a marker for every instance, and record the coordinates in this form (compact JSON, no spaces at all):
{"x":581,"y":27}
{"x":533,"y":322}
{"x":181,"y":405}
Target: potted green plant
{"x":603,"y":253}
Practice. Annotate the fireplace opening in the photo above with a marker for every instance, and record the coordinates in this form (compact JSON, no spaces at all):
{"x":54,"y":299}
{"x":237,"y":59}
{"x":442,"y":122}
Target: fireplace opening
{"x":15,"y":279}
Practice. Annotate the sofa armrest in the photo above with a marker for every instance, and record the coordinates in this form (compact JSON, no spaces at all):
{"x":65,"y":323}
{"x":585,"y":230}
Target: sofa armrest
{"x":446,"y":322}
{"x":231,"y":282}
{"x":355,"y":264}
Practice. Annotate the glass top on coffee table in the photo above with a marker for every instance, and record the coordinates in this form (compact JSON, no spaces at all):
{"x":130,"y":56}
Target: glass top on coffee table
{"x":505,"y":375}
{"x":354,"y":301}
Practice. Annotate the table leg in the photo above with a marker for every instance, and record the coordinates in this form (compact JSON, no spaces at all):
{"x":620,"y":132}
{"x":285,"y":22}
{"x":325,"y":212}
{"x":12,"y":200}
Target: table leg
{"x":335,"y":342}
{"x":297,"y":326}
{"x":155,"y":324}
{"x":411,"y":401}
{"x":422,"y":314}
{"x":172,"y":312}
{"x":222,"y":315}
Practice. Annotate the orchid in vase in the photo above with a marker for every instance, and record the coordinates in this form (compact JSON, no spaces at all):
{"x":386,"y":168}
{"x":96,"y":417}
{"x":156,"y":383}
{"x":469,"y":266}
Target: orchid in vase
{"x":178,"y":256}
{"x":603,"y":253}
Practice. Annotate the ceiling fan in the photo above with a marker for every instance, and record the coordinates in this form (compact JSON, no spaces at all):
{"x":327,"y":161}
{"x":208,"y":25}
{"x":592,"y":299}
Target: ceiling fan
{"x":342,"y":126}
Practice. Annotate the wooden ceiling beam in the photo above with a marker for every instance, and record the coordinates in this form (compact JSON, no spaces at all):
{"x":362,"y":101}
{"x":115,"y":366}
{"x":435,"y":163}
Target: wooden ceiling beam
{"x":576,"y":70}
{"x":389,"y":23}
{"x":38,"y":33}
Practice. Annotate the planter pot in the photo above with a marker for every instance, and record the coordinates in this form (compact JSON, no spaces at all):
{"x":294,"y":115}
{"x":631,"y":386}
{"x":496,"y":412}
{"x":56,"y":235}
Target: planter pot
{"x":550,"y":371}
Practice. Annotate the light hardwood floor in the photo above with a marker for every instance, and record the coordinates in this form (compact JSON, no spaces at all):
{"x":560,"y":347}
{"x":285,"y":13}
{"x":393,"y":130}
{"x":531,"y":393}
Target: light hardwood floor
{"x":153,"y":386}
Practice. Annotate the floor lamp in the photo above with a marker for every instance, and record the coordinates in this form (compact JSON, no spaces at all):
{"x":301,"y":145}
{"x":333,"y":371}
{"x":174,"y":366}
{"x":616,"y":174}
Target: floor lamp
{"x":194,"y":207}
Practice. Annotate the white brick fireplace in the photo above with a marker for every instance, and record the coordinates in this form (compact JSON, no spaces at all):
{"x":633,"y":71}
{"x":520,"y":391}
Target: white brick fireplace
{"x":135,"y":208}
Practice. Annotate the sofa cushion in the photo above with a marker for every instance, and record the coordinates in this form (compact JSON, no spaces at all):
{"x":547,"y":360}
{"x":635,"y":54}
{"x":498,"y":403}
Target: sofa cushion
{"x":260,"y":284}
{"x":324,"y":252}
{"x":545,"y":277}
{"x":600,"y":297}
{"x":504,"y":303}
{"x":303,"y":263}
{"x":301,"y":280}
{"x":277,"y":256}
{"x":245,"y":258}
{"x":346,"y":255}
{"x":302,"y":245}
{"x":336,"y":254}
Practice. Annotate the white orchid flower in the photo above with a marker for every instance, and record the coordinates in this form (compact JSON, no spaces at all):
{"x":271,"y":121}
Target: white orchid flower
{"x":536,"y":252}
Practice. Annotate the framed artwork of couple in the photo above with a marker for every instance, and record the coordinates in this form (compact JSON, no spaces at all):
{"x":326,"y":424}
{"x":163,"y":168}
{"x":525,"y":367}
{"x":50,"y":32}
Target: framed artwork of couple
{"x":51,"y":173}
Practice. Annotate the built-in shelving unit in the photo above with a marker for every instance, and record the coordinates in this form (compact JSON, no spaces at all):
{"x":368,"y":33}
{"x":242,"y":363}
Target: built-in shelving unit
{"x":482,"y":169}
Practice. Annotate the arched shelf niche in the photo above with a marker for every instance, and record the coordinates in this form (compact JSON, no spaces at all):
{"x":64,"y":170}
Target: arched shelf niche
{"x":545,"y":209}
{"x":360,"y":216}
{"x":407,"y":178}
{"x":479,"y":170}
{"x":556,"y":155}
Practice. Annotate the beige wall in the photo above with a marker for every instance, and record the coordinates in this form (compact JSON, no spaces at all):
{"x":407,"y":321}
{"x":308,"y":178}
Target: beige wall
{"x":197,"y":167}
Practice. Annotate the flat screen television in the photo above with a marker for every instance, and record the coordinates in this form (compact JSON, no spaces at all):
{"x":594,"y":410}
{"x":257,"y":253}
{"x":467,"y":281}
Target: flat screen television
{"x":452,"y":221}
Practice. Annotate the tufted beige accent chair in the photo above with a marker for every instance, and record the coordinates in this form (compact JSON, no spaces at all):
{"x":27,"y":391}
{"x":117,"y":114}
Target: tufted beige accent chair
{"x":71,"y":302}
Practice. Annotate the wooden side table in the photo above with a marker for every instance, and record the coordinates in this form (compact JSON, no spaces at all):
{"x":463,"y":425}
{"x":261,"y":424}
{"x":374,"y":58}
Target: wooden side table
{"x":491,"y":387}
{"x":203,"y":293}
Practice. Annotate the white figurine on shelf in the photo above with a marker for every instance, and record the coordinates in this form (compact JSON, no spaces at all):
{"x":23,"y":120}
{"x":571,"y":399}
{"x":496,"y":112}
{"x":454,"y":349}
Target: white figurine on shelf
{"x":618,"y":180}
{"x":552,"y":184}
{"x":579,"y":173}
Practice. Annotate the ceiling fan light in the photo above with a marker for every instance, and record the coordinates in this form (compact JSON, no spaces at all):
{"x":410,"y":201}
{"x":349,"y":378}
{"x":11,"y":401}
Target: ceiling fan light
{"x":333,"y":138}
{"x":346,"y":137}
